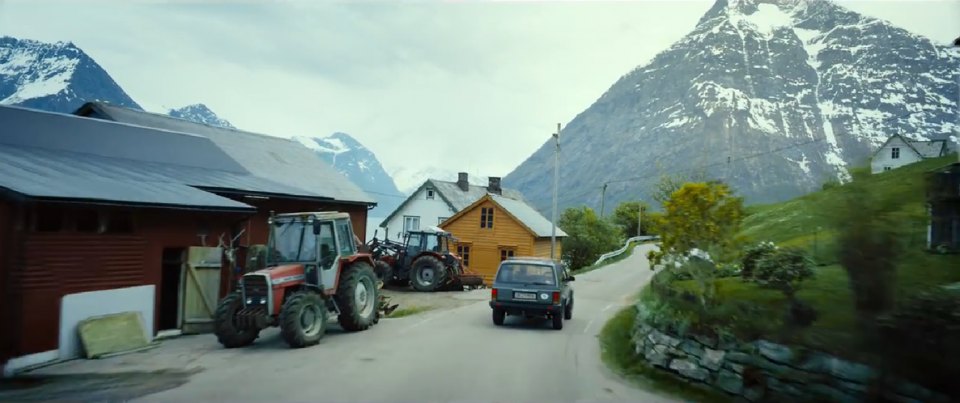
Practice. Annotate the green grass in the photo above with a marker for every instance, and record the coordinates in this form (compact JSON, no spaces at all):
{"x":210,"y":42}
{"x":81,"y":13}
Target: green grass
{"x":413,"y":310}
{"x":617,"y":352}
{"x":751,"y":312}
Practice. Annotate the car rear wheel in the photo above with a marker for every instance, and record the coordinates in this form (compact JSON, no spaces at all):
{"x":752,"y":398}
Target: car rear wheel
{"x":498,"y":316}
{"x":558,"y":321}
{"x":568,"y":311}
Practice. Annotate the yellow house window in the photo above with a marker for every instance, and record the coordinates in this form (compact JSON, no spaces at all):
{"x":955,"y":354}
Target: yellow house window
{"x":464,"y":252}
{"x":506,"y":253}
{"x":486,"y":217}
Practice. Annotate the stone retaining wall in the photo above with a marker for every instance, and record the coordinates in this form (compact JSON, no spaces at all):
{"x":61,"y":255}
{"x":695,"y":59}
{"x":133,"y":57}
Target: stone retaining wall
{"x":766,"y":371}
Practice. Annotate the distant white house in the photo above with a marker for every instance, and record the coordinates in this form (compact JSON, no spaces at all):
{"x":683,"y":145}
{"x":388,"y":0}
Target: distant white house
{"x":435,"y":201}
{"x":899,"y":151}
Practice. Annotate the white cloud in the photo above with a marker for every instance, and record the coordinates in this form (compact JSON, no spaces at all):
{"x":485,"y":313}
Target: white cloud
{"x":458,"y":86}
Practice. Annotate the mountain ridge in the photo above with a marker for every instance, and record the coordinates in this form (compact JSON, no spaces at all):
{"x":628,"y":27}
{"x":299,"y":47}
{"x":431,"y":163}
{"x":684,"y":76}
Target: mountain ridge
{"x":819,"y":83}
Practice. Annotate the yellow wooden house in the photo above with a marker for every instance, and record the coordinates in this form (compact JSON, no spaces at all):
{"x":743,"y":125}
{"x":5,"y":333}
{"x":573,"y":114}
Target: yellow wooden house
{"x":494,"y":228}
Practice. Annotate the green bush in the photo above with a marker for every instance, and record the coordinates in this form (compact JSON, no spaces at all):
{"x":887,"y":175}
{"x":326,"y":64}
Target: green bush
{"x":926,"y":332}
{"x":588,"y":237}
{"x":752,"y":255}
{"x":783,"y":270}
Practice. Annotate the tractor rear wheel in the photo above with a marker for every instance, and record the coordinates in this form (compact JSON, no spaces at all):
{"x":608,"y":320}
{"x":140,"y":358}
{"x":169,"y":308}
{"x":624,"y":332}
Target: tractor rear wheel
{"x":303,"y":319}
{"x":358,"y":297}
{"x":427,"y":274}
{"x":225,"y":326}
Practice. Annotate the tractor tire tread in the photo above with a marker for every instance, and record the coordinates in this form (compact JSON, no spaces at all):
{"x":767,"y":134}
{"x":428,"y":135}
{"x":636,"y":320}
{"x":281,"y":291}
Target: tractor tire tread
{"x":438,"y":268}
{"x":290,"y":321}
{"x":227,"y":334}
{"x":349,"y":318}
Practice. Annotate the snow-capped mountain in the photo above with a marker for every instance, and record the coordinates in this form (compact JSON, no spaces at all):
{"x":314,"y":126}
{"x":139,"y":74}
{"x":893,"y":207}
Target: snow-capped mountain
{"x":200,"y":113}
{"x":408,"y":180}
{"x":773,"y":97}
{"x":360,"y":165}
{"x":56,"y":77}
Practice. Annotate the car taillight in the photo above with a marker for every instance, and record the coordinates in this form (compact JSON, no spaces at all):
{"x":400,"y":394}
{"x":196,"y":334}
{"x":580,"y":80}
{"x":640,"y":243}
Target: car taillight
{"x":556,"y":297}
{"x":493,"y":294}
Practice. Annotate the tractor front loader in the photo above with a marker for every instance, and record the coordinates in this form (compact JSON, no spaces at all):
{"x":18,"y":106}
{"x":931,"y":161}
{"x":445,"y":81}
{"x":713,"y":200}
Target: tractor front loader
{"x":313,"y":271}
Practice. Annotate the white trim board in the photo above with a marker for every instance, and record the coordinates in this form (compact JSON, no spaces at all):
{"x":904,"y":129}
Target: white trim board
{"x":18,"y":364}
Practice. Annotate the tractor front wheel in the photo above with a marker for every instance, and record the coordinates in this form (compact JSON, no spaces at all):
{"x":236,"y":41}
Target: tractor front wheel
{"x":225,"y":326}
{"x":303,"y":319}
{"x":427,"y":274}
{"x":358,"y":297}
{"x":384,"y":271}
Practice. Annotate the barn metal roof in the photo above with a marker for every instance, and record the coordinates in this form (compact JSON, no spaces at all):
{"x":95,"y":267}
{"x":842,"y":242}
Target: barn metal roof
{"x":62,"y":156}
{"x":278,"y":159}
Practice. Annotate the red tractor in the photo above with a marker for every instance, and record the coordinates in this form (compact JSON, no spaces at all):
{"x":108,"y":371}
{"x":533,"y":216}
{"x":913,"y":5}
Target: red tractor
{"x":424,"y":260}
{"x":313,"y":270}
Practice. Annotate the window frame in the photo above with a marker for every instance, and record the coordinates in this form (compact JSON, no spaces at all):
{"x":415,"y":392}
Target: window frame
{"x":463,"y":250}
{"x":895,"y":153}
{"x":410,"y":217}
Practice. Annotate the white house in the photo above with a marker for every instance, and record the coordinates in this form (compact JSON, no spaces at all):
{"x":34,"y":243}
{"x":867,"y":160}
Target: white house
{"x":435,"y":201}
{"x":899,"y":151}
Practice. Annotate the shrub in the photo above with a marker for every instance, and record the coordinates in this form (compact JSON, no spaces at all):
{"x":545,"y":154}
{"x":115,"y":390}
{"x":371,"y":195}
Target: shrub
{"x":752,"y":255}
{"x":784,"y":270}
{"x":926,"y":332}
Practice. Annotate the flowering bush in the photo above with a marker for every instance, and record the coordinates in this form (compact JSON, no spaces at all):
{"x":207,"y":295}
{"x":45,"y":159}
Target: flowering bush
{"x":754,"y":254}
{"x":783,"y":269}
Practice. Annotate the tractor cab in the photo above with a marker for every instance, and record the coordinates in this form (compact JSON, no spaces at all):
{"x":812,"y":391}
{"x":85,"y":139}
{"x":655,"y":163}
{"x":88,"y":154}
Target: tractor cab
{"x":433,"y":240}
{"x":315,"y":240}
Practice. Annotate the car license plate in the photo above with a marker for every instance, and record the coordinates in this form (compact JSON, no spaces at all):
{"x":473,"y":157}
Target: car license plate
{"x":524,"y":295}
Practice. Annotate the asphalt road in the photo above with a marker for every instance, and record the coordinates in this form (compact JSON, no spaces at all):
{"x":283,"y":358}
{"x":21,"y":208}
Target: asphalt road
{"x":454,"y":355}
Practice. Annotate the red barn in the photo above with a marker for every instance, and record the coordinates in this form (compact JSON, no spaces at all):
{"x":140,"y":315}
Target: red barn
{"x":97,"y":214}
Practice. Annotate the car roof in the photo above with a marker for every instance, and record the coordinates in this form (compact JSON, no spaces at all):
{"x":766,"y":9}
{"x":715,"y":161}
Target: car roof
{"x":532,"y":260}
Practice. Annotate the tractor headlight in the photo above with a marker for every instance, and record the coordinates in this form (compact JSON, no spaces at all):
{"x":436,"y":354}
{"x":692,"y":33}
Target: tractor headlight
{"x":263,"y":300}
{"x":544,"y":296}
{"x":249,"y":301}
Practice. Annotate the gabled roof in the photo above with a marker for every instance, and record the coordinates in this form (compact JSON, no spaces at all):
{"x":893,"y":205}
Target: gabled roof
{"x":47,"y":156}
{"x":521,"y":212}
{"x":451,"y":194}
{"x":280,"y":160}
{"x":923,"y":149}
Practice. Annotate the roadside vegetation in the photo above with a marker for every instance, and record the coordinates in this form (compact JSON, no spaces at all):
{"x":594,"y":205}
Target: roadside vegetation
{"x":590,"y":236}
{"x":616,"y":351}
{"x":408,"y":311}
{"x":844,"y":270}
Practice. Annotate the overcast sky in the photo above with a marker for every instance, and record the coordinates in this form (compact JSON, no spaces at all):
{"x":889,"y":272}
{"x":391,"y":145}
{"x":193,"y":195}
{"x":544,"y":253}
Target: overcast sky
{"x":474,"y":86}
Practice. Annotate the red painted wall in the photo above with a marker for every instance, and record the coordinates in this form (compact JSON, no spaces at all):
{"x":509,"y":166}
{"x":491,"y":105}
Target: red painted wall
{"x":55,"y":264}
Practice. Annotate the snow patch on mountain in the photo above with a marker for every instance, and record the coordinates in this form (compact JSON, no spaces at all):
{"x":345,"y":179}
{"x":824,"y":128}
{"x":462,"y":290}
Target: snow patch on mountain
{"x":57,"y":77}
{"x":200,"y":113}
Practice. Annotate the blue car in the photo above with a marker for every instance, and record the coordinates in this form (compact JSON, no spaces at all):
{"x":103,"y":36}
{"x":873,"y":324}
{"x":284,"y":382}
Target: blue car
{"x":532,"y":287}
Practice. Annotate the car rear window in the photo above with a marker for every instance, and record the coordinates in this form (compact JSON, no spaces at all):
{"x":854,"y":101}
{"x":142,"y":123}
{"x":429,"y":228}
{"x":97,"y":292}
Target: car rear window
{"x":526,"y":274}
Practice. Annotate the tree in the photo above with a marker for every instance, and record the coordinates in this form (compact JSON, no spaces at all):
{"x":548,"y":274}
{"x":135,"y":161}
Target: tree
{"x":626,"y":217}
{"x":699,"y":216}
{"x":588,"y":236}
{"x":668,"y":184}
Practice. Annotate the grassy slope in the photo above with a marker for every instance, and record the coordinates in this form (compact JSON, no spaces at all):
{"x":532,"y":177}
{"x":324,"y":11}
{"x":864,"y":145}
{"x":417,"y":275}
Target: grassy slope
{"x":795,"y":223}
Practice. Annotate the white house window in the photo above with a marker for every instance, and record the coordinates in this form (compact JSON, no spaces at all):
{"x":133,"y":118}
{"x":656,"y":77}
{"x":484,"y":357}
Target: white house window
{"x":430,"y":194}
{"x":886,"y":168}
{"x":411,"y":223}
{"x":895,"y":152}
{"x":440,"y":220}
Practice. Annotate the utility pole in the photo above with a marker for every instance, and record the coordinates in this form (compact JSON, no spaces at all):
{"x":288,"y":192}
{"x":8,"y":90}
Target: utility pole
{"x":556,"y":181}
{"x":603,"y":195}
{"x":640,"y":219}
{"x":956,"y":47}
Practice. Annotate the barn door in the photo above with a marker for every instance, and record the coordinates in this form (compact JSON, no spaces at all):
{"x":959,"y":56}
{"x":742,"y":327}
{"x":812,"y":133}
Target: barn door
{"x":201,"y":288}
